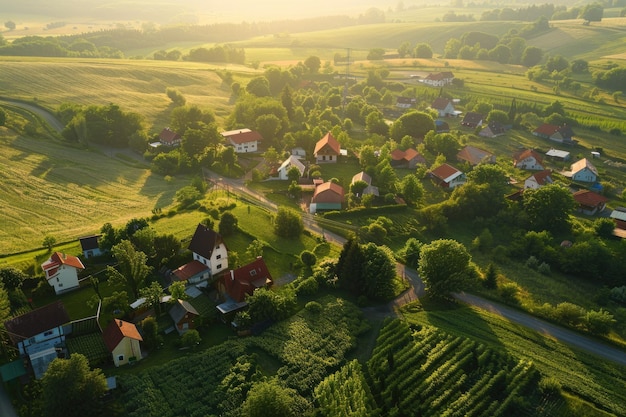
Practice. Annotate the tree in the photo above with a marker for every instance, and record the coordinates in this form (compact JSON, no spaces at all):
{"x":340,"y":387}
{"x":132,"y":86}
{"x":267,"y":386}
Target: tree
{"x":491,"y":277}
{"x":379,"y":272}
{"x":49,"y":242}
{"x":177,"y":290}
{"x":9,"y":24}
{"x":259,"y":86}
{"x":293,"y":174}
{"x":501,"y":53}
{"x":498,"y":116}
{"x":444,"y":267}
{"x":255,"y":250}
{"x":411,"y":252}
{"x":308,"y":258}
{"x":350,"y":266}
{"x":414,"y":123}
{"x":132,"y":269}
{"x":599,"y":322}
{"x":288,"y":223}
{"x":265,"y":304}
{"x":556,"y":63}
{"x":176,"y":96}
{"x":549,"y":207}
{"x":150,"y":332}
{"x":313,"y":64}
{"x":531,"y":56}
{"x":423,"y":50}
{"x":166,"y":247}
{"x":5,"y":305}
{"x":191,"y":339}
{"x":592,"y":13}
{"x":376,"y":54}
{"x":412,"y":190}
{"x":70,"y":381}
{"x":579,"y":66}
{"x":228,"y":224}
{"x":153,"y":294}
{"x":11,"y":278}
{"x":269,"y":398}
{"x":442,"y":143}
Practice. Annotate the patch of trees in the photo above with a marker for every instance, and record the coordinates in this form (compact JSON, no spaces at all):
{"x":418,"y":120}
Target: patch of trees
{"x":55,"y":47}
{"x":525,"y":14}
{"x":105,"y":125}
{"x":613,"y":79}
{"x":217,"y":54}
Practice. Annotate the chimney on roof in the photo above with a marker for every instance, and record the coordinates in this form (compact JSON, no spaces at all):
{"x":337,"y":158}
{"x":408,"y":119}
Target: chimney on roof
{"x":120,"y":323}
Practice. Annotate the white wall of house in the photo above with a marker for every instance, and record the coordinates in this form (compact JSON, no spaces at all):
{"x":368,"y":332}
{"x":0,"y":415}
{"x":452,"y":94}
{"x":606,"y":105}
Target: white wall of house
{"x":246,"y":147}
{"x":65,"y":279}
{"x":529,"y":163}
{"x":41,"y":341}
{"x":218,"y":261}
{"x":126,"y":349}
{"x":324,"y":159}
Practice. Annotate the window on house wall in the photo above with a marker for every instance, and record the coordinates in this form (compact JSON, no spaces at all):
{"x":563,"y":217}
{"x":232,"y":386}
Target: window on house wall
{"x":120,"y":358}
{"x":48,"y":333}
{"x":253,"y":272}
{"x":219,"y":266}
{"x":218,"y":256}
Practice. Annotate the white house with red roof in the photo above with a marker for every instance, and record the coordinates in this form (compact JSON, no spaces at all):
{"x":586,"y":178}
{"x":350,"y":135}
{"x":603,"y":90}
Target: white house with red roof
{"x":589,"y":202}
{"x":61,"y":271}
{"x":169,"y":138}
{"x":210,"y":257}
{"x":438,"y":79}
{"x":122,"y":339}
{"x":538,"y":179}
{"x":241,"y":282}
{"x":243,"y":140}
{"x":327,"y":149}
{"x":448,"y":176}
{"x":528,"y":159}
{"x":292,"y":161}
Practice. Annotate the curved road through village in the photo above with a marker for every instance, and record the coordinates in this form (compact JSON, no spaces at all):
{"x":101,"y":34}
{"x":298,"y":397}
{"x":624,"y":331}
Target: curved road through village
{"x":417,"y":288}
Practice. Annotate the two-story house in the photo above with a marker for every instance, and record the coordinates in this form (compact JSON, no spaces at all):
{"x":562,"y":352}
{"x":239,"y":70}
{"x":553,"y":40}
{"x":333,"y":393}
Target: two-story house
{"x":61,"y":271}
{"x":210,"y":257}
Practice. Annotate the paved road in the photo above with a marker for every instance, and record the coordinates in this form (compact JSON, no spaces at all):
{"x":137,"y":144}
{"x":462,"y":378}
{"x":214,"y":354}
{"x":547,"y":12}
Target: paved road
{"x":44,"y":114}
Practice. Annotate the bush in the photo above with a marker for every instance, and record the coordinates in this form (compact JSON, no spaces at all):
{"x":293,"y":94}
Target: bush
{"x":599,"y":322}
{"x":532,"y":262}
{"x":549,"y":385}
{"x":544,"y":269}
{"x":509,"y":292}
{"x":568,"y":313}
{"x":307,"y":287}
{"x":313,"y":307}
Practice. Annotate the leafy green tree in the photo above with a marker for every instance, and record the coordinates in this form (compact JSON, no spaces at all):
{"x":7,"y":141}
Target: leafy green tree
{"x":70,"y":381}
{"x":9,"y":24}
{"x":349,"y":268}
{"x":294,"y":190}
{"x":150,"y":332}
{"x":176,"y":96}
{"x":599,"y":322}
{"x":288,"y":223}
{"x":414,"y":123}
{"x":423,"y":50}
{"x":491,"y":277}
{"x":190,"y":117}
{"x":49,"y":242}
{"x":531,"y":56}
{"x":191,"y":339}
{"x":269,"y":398}
{"x":498,"y":116}
{"x":255,"y":250}
{"x":556,"y":63}
{"x":166,"y":247}
{"x":579,"y":66}
{"x":592,"y":13}
{"x":259,"y":86}
{"x":411,"y":252}
{"x":293,"y":174}
{"x":376,"y":54}
{"x":501,"y":53}
{"x":444,"y":267}
{"x":412,"y":190}
{"x":153,"y":294}
{"x":228,"y":224}
{"x":442,"y":143}
{"x":549,"y":207}
{"x":132,"y":268}
{"x":313,"y":64}
{"x":604,"y":227}
{"x":265,"y":304}
{"x":405,"y":49}
{"x":187,"y":196}
{"x":12,"y":278}
{"x":379,"y":272}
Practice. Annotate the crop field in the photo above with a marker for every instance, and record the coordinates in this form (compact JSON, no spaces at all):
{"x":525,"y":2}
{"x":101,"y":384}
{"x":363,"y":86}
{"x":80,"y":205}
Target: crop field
{"x":50,"y":188}
{"x":582,"y":374}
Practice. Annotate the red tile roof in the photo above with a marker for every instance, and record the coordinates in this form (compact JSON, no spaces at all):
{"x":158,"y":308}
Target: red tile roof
{"x":57,"y":259}
{"x":589,"y":198}
{"x":168,"y":136}
{"x":546,"y":129}
{"x":117,"y":330}
{"x":330,"y":141}
{"x":542,"y":176}
{"x":520,"y":156}
{"x":444,"y":171}
{"x":37,"y":321}
{"x":245,"y":137}
{"x":189,"y":270}
{"x":243,"y":281}
{"x":328,"y":192}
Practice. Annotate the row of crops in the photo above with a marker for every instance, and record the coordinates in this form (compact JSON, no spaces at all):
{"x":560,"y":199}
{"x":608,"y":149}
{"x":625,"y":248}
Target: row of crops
{"x":426,"y":372}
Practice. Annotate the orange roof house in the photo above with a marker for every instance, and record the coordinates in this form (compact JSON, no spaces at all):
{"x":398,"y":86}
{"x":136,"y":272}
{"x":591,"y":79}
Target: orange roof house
{"x":243,"y":140}
{"x":327,"y":196}
{"x":168,"y":137}
{"x":241,"y":282}
{"x":448,"y":176}
{"x":61,"y":271}
{"x":589,"y":202}
{"x":538,"y":179}
{"x":408,"y":159}
{"x":528,"y":159}
{"x":122,"y":339}
{"x":327,"y":149}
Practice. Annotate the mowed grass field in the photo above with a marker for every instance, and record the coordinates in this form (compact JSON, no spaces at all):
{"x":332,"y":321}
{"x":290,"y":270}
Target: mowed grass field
{"x":50,"y":188}
{"x":134,"y":85}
